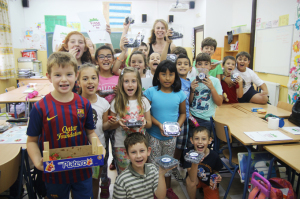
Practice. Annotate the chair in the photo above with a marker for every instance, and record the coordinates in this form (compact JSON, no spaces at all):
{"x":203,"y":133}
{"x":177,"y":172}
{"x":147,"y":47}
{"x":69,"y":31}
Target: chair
{"x":285,"y":106}
{"x":10,"y":89}
{"x":20,"y":84}
{"x":222,"y":133}
{"x":8,"y":104}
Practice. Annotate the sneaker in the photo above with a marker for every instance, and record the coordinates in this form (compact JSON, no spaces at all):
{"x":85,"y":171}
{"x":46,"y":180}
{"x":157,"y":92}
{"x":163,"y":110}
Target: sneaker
{"x":105,"y":190}
{"x":177,"y":174}
{"x":171,"y":194}
{"x":112,"y":166}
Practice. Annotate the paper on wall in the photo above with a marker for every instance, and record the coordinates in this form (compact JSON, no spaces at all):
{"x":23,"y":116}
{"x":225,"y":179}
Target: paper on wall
{"x":60,"y":33}
{"x":95,"y":24}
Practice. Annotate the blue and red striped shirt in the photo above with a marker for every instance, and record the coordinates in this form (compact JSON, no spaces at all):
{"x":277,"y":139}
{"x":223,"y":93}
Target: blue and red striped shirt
{"x":62,"y":124}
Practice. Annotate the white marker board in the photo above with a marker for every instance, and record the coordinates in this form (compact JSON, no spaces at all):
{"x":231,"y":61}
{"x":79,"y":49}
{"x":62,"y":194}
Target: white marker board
{"x":273,"y":50}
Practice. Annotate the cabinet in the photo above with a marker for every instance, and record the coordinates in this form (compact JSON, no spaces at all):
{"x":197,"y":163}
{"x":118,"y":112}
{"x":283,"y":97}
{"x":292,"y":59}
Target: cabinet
{"x":244,"y":44}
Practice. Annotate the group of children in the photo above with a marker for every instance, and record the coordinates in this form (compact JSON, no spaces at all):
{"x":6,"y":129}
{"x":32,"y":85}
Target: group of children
{"x":65,"y":118}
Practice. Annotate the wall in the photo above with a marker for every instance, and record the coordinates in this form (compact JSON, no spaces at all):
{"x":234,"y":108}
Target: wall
{"x":275,"y":9}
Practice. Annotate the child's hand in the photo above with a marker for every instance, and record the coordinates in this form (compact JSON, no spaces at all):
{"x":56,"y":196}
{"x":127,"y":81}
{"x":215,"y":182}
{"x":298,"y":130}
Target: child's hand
{"x":212,"y":185}
{"x":115,"y":89}
{"x":112,"y":119}
{"x":144,"y":122}
{"x":169,"y":34}
{"x":108,"y":29}
{"x":219,"y":178}
{"x":163,"y":171}
{"x":229,"y":82}
{"x":161,"y":128}
{"x":194,"y":85}
{"x":239,"y":80}
{"x":40,"y":166}
{"x":121,"y":122}
{"x":73,"y":51}
{"x":126,"y":26}
{"x":123,"y":41}
{"x":208,"y":83}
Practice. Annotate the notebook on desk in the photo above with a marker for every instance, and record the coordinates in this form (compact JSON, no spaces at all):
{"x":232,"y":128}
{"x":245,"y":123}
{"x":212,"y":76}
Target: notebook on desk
{"x":264,"y":136}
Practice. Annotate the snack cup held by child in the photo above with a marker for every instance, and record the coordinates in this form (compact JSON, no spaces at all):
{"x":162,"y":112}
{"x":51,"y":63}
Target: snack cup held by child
{"x":193,"y":157}
{"x":171,"y":128}
{"x":166,"y":161}
{"x":131,"y":123}
{"x":202,"y":74}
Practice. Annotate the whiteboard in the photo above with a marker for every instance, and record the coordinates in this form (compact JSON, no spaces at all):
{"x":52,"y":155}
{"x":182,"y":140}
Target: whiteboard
{"x":273,"y":50}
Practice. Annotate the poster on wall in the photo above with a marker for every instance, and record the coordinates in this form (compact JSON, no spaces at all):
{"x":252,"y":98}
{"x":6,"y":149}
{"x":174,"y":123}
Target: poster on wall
{"x":60,"y":32}
{"x":74,"y":25}
{"x":52,"y":20}
{"x":95,"y":24}
{"x":115,"y":13}
{"x":34,"y":38}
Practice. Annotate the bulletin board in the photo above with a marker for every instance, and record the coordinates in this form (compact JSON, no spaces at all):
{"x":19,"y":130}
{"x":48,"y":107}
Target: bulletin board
{"x":273,"y":50}
{"x":115,"y":39}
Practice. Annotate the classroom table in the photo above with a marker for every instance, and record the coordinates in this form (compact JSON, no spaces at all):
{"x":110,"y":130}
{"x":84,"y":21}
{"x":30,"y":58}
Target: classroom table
{"x":269,"y":108}
{"x":17,"y":94}
{"x":287,"y":154}
{"x":238,"y":125}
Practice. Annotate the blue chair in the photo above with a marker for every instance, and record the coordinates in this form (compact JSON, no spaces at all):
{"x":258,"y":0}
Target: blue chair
{"x":222,"y":133}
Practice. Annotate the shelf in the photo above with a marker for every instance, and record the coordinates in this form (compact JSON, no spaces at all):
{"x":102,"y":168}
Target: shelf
{"x":231,"y":51}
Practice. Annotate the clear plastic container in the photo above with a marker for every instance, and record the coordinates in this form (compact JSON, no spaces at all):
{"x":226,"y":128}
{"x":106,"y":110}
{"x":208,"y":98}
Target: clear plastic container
{"x":129,"y":18}
{"x":193,"y":157}
{"x":214,"y":177}
{"x":106,"y":92}
{"x":133,"y":123}
{"x":134,"y":40}
{"x":172,"y":57}
{"x":202,"y":74}
{"x":166,"y":161}
{"x":171,"y":128}
{"x":234,"y":76}
{"x":176,"y":34}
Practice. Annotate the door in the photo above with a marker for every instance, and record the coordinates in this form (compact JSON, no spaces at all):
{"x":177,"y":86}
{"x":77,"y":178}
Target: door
{"x":198,"y":37}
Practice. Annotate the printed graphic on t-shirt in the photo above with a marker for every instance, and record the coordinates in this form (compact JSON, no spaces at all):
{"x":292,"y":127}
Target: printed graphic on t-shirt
{"x":95,"y":116}
{"x":204,"y":172}
{"x":201,"y":98}
{"x":68,"y":132}
{"x":137,"y":115}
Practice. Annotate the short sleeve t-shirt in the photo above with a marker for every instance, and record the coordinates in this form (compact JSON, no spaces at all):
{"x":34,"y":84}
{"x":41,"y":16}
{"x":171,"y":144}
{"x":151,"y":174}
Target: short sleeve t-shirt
{"x":108,"y":84}
{"x":164,"y":108}
{"x":62,"y":124}
{"x":133,"y":111}
{"x":100,"y":107}
{"x":231,"y":92}
{"x":203,"y":105}
{"x":185,"y":87}
{"x":249,"y":76}
{"x":206,"y":168}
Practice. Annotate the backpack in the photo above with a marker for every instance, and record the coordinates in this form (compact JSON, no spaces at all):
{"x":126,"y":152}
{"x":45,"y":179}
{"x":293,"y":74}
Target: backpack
{"x":271,"y":188}
{"x":295,"y":116}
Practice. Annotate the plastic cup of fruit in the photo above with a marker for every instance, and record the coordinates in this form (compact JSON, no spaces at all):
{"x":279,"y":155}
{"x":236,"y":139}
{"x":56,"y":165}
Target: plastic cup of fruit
{"x":133,"y":123}
{"x":166,"y":161}
{"x":171,"y":128}
{"x":202,"y":74}
{"x":193,"y":157}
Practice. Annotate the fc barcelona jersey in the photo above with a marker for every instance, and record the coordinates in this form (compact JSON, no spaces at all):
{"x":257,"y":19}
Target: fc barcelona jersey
{"x":62,"y":124}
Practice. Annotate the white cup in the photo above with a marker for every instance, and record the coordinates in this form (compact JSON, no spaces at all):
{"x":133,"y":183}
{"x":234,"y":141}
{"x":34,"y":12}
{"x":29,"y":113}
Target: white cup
{"x":273,"y":123}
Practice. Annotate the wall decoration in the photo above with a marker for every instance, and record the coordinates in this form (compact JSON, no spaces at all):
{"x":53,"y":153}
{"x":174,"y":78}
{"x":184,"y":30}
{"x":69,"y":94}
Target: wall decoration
{"x":284,"y":20}
{"x":52,"y":20}
{"x":296,"y":46}
{"x":74,"y":25}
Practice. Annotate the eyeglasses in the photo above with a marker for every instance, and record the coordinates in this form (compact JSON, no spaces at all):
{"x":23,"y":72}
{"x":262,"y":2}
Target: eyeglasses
{"x":102,"y":57}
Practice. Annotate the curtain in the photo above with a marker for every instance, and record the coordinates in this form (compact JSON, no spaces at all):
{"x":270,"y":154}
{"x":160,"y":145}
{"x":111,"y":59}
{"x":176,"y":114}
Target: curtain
{"x":7,"y":68}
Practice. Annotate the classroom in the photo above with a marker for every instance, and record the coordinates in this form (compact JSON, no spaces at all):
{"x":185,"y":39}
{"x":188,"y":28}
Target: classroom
{"x":250,"y":118}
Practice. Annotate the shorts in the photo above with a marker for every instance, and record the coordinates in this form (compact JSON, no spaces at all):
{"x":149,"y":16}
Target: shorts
{"x":201,"y":122}
{"x":181,"y":140}
{"x":208,"y":192}
{"x":248,"y":95}
{"x":159,"y":148}
{"x":82,"y":189}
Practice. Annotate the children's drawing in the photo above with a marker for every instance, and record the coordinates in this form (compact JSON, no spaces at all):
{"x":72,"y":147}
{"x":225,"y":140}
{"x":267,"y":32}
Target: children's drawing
{"x":297,"y":24}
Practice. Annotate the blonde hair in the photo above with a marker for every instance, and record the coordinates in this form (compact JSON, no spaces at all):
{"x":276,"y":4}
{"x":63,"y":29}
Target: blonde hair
{"x":83,"y":67}
{"x":152,"y":38}
{"x":61,"y":59}
{"x":121,"y":99}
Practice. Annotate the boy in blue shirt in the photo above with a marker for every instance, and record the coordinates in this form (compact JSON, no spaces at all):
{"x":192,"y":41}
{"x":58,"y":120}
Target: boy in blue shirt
{"x":205,"y":96}
{"x":64,"y":119}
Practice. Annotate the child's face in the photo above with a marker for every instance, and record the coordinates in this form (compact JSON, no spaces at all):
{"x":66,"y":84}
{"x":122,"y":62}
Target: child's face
{"x":229,"y":66}
{"x":90,"y":45}
{"x":208,"y":49}
{"x":242,"y":63}
{"x":77,"y":42}
{"x":137,"y":61}
{"x":203,"y":64}
{"x":88,"y":81}
{"x":104,"y":59}
{"x":62,"y":78}
{"x":160,"y":30}
{"x":144,"y":50}
{"x":166,"y":79}
{"x":130,"y":85}
{"x":183,"y":66}
{"x":154,"y":60}
{"x":138,"y":154}
{"x":201,"y":140}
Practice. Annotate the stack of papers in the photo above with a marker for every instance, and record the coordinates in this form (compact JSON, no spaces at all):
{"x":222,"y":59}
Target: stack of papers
{"x":263,"y":136}
{"x":294,"y":130}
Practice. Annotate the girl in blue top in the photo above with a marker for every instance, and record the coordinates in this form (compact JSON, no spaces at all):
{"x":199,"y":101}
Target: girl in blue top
{"x":167,"y":100}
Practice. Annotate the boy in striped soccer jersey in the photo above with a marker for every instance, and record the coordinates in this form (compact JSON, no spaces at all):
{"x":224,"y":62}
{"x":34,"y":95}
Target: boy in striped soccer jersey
{"x":140,"y":179}
{"x":64,"y":119}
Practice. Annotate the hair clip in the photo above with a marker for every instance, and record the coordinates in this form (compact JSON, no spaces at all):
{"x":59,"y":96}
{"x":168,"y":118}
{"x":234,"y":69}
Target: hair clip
{"x":122,"y":72}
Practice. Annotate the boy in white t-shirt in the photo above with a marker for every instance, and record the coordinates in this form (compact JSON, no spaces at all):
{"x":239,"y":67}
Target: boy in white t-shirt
{"x":250,"y":95}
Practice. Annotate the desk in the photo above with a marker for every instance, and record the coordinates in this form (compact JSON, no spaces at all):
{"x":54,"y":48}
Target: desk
{"x":230,"y":112}
{"x":269,"y":108}
{"x":17,"y":94}
{"x":33,"y":80}
{"x":286,"y":153}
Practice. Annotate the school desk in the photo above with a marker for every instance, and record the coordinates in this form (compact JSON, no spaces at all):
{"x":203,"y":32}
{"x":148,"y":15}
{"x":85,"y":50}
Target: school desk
{"x":269,"y":108}
{"x":33,"y":80}
{"x":287,"y":153}
{"x":238,"y":125}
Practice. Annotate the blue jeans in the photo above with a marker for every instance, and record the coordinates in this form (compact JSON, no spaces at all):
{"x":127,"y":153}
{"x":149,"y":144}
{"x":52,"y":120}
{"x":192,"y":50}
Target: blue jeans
{"x":82,"y":189}
{"x":201,"y":122}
